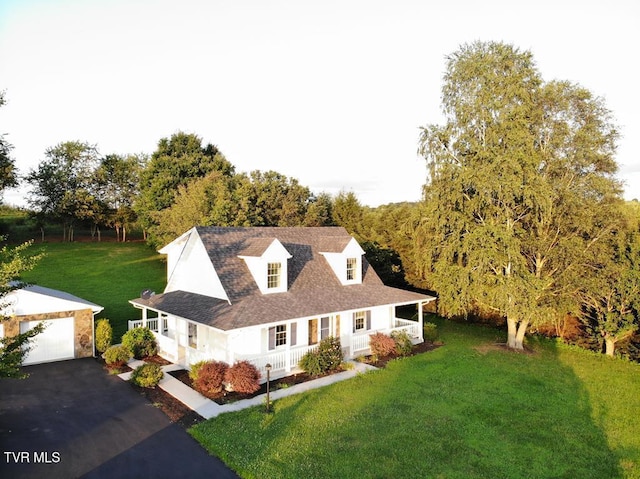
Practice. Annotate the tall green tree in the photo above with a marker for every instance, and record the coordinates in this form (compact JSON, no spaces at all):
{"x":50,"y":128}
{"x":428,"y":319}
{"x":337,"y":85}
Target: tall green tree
{"x":177,"y":160}
{"x":519,"y":189}
{"x":347,"y":212}
{"x":117,"y":180}
{"x":277,"y":200}
{"x":13,"y":262}
{"x":8,"y":172}
{"x":611,"y":295}
{"x":62,"y":185}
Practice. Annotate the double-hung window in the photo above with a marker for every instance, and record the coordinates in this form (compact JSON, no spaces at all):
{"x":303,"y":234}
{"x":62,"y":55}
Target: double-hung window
{"x":361,"y":321}
{"x":274,"y":273}
{"x":352,"y":264}
{"x":278,"y":335}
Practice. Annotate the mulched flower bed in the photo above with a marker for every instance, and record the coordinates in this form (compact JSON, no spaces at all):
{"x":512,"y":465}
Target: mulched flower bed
{"x":181,"y":414}
{"x":226,"y":397}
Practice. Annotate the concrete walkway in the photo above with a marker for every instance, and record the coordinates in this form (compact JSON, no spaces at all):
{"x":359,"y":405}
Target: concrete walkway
{"x":208,"y":408}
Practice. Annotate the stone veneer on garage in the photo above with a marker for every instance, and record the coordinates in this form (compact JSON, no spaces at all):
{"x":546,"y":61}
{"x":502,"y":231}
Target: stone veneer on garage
{"x":83,"y":328}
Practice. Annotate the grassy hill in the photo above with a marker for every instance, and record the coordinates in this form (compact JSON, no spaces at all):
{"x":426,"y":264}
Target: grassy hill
{"x":106,"y":273}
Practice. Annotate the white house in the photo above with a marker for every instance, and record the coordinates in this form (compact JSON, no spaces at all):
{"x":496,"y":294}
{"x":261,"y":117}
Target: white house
{"x":268,"y":295}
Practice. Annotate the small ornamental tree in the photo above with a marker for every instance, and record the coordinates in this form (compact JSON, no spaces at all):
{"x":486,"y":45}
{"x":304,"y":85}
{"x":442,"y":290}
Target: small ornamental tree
{"x":211,"y":378}
{"x":104,"y":335}
{"x":141,"y":342}
{"x":243,"y":377}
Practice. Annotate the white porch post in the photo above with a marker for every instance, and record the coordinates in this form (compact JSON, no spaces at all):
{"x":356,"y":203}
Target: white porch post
{"x":421,"y":321}
{"x":144,"y":317}
{"x":287,"y":360}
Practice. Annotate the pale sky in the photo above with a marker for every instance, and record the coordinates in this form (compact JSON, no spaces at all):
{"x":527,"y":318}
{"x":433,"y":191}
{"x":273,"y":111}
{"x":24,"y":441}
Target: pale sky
{"x":331,"y":92}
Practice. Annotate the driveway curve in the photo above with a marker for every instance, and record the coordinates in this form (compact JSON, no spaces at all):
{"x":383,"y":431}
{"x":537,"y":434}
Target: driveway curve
{"x":72,"y":419}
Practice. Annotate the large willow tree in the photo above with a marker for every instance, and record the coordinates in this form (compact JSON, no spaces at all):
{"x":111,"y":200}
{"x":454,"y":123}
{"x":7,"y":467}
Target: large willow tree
{"x":520,"y":185}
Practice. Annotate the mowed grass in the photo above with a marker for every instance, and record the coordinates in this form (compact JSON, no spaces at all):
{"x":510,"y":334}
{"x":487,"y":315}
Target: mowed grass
{"x":466,"y":410}
{"x":105,"y":273}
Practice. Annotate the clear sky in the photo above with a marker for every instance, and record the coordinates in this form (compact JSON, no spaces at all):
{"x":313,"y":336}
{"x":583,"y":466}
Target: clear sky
{"x":331,"y":92}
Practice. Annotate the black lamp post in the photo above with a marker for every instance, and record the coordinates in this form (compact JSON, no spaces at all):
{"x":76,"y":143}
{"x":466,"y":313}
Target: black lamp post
{"x":268,"y":368}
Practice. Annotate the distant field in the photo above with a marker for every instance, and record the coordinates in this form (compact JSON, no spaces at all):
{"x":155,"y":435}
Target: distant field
{"x":106,"y":273}
{"x":468,"y":409}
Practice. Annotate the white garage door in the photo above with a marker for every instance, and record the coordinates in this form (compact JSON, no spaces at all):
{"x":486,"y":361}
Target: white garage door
{"x":53,"y":344}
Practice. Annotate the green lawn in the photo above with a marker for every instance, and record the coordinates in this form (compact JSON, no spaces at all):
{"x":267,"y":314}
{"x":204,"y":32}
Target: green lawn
{"x":106,"y":273}
{"x":464,"y":410}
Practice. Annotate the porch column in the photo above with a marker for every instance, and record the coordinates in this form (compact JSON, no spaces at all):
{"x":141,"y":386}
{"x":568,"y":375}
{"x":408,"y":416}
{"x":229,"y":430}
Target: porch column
{"x":421,"y":321}
{"x":144,"y":317}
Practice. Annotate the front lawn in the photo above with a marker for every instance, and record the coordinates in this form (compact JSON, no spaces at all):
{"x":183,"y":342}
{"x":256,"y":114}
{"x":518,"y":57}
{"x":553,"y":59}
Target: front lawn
{"x":468,"y":409}
{"x":105,"y":273}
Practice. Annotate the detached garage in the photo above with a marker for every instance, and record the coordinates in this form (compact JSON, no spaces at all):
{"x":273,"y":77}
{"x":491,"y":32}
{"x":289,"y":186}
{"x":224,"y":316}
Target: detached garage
{"x":69,"y":323}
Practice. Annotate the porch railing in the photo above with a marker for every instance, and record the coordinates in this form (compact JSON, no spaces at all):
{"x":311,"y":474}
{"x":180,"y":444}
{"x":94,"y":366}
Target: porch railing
{"x":284,"y":360}
{"x":152,"y":324}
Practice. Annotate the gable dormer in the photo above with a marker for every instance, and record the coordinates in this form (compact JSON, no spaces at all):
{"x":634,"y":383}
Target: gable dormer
{"x":344,"y":255}
{"x":266,"y":259}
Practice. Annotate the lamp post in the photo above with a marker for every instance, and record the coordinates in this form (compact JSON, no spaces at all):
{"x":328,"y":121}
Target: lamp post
{"x":268,"y":368}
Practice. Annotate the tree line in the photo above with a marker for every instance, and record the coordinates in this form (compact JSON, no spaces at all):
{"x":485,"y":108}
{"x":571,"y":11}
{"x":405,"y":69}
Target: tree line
{"x":522,"y":218}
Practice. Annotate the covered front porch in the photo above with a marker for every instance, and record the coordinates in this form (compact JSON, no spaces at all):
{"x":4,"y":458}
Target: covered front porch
{"x":186,"y":342}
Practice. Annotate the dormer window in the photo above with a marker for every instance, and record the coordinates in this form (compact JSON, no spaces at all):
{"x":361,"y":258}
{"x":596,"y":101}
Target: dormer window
{"x":352,"y":264}
{"x":344,"y":255}
{"x":266,"y":259}
{"x":274,"y":273}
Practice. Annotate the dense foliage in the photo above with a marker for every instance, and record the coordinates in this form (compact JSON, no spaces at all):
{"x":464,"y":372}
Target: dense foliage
{"x":210,"y":378}
{"x":147,"y":375}
{"x":104,"y":335}
{"x":117,"y":355}
{"x":140,"y":342}
{"x":14,"y":262}
{"x":243,"y":377}
{"x":323,"y":359}
{"x":521,"y":185}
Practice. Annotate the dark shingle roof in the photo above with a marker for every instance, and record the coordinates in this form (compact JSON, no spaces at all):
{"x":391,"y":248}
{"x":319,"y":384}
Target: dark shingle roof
{"x":313,"y":288}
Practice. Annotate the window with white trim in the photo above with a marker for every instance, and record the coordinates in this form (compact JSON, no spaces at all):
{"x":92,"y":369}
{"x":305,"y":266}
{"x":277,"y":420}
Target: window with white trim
{"x":278,"y":336}
{"x":274,"y":273}
{"x":352,"y":264}
{"x":361,"y":321}
{"x":325,"y":327}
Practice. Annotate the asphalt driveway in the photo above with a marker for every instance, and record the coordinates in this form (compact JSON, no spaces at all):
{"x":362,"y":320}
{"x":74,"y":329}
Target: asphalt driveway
{"x":72,"y":419}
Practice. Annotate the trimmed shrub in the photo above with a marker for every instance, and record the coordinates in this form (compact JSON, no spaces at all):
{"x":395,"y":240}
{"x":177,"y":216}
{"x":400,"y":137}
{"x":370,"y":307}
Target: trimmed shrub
{"x":403,"y":342}
{"x":195,"y":369}
{"x":211,"y":378}
{"x":330,"y":351}
{"x":382,"y":345}
{"x":243,"y":377}
{"x":116,"y":356}
{"x":327,"y":357}
{"x":310,"y":363}
{"x":430,"y":332}
{"x":104,"y":335}
{"x":141,"y":342}
{"x":147,"y":376}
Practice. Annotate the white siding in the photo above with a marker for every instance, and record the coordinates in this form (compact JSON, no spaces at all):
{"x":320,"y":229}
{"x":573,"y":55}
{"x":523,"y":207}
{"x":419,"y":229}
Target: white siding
{"x":192,"y":270}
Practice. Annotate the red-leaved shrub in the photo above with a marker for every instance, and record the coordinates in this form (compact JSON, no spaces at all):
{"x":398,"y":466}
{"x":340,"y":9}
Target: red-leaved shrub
{"x":210,"y":378}
{"x":382,"y":345}
{"x":243,"y":377}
